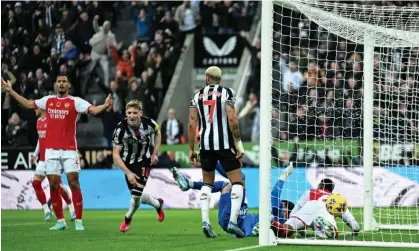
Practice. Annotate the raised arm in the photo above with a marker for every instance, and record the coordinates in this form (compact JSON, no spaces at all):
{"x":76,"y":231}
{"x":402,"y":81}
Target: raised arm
{"x":28,"y":104}
{"x":95,"y":110}
{"x":350,"y":220}
{"x":300,"y":203}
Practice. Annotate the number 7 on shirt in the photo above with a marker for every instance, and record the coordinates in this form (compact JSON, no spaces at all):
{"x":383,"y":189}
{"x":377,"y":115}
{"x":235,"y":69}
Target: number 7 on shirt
{"x":212,"y":104}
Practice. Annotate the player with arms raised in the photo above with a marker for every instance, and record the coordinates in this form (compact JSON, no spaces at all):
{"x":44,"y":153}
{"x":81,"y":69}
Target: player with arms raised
{"x":220,"y":141}
{"x":62,"y":112}
{"x":40,"y":171}
{"x":134,"y":153}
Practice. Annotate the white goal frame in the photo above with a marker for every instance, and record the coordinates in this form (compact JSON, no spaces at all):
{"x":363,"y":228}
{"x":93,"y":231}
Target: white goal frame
{"x":266,"y":235}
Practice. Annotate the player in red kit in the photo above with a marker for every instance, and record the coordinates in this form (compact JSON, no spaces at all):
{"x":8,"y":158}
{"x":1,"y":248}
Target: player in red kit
{"x":62,"y":112}
{"x":40,"y":172}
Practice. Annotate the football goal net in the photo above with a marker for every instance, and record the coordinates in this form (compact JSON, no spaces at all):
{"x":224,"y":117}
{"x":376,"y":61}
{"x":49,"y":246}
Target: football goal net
{"x":340,"y":100}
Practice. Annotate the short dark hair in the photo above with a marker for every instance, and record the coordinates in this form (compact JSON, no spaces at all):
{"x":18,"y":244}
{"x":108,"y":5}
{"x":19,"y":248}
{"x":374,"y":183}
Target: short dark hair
{"x":62,"y":75}
{"x":327,"y":184}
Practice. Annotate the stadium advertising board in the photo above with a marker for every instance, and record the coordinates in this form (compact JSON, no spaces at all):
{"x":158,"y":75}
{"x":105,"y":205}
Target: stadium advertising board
{"x":334,"y":153}
{"x":393,"y":186}
{"x":224,"y":50}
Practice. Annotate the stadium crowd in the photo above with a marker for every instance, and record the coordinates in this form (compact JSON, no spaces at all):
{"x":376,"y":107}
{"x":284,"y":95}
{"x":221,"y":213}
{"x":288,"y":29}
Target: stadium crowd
{"x":318,"y":77}
{"x":43,"y":38}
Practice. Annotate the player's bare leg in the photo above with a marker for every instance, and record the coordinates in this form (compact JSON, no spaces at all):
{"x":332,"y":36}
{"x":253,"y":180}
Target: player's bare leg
{"x":57,"y":203}
{"x":40,"y":194}
{"x":156,"y":203}
{"x":65,"y":192}
{"x":73,"y":181}
{"x":235,"y":177}
{"x":206,"y":190}
{"x":135,"y":202}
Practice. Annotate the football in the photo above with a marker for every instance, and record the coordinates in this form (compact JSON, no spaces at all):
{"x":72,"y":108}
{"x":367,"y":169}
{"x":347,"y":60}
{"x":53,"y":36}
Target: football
{"x":336,"y":204}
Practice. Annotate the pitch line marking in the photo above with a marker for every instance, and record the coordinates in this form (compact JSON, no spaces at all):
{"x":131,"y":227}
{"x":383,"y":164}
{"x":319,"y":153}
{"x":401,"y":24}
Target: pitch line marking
{"x":245,"y":248}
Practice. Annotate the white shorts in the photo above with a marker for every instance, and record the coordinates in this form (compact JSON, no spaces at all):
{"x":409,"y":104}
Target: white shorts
{"x":308,"y":213}
{"x":41,"y":168}
{"x":58,"y":160}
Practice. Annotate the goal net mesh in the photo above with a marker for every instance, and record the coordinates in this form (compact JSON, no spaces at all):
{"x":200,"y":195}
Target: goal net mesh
{"x":317,"y":118}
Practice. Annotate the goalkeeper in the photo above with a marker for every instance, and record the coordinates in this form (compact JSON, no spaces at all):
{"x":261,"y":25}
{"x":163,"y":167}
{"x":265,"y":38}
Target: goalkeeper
{"x":248,"y":223}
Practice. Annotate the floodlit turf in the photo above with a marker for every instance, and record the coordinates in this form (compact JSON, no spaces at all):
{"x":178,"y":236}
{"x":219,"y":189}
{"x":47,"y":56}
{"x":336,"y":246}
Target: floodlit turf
{"x":25,"y":230}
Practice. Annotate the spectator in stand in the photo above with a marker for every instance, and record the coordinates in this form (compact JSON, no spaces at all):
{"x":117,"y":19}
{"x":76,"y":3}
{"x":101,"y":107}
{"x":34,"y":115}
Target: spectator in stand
{"x":16,"y":131}
{"x":136,"y":89}
{"x":188,"y":18}
{"x":100,"y":43}
{"x":83,"y":30}
{"x":167,"y":23}
{"x":117,"y":97}
{"x":172,"y":129}
{"x":125,"y":61}
{"x":226,"y":20}
{"x":44,"y":84}
{"x":142,"y":18}
{"x":58,"y":39}
{"x":207,"y":11}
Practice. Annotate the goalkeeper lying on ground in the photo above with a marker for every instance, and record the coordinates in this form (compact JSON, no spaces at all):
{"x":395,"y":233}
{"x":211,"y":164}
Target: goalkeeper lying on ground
{"x":248,"y":223}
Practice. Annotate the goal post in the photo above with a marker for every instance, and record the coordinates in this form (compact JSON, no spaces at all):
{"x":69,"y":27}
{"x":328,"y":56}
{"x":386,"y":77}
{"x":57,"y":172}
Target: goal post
{"x":340,"y":99}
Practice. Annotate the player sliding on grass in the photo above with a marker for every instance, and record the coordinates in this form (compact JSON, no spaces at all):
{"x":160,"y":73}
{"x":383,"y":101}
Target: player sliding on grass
{"x":134,"y":153}
{"x":40,"y":171}
{"x":310,"y":210}
{"x":248,"y":223}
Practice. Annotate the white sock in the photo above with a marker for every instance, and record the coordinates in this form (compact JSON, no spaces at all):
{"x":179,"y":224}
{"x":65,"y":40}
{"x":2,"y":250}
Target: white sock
{"x":150,"y":200}
{"x":71,"y":208}
{"x":236,"y":201}
{"x":205,"y":202}
{"x":46,"y":208}
{"x":190,"y":183}
{"x":134,"y":205}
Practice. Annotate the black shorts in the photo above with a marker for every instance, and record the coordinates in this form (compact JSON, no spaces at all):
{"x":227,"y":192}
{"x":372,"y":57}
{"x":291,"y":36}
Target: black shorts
{"x":142,"y":170}
{"x":227,"y":158}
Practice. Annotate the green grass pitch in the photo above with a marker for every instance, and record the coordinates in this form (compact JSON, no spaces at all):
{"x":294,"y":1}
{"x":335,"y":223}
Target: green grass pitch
{"x":181,"y":230}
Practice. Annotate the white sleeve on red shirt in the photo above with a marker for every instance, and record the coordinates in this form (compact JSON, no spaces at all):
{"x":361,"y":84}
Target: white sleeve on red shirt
{"x":300,"y":203}
{"x":42,"y":102}
{"x":81,"y":105}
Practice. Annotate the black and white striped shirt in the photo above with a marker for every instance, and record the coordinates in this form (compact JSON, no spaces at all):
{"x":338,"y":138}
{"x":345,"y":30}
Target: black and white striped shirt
{"x":137,"y":143}
{"x":214,"y":130}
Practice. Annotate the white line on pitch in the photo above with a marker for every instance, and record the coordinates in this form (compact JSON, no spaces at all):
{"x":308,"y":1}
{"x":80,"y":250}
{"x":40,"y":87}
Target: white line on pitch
{"x":245,"y":248}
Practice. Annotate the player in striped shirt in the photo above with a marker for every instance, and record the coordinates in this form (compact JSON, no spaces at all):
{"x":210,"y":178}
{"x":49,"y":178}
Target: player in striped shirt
{"x":40,"y":171}
{"x":220,"y":141}
{"x":134,"y":153}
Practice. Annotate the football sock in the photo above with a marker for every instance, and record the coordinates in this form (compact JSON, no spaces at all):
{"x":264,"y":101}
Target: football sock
{"x":78,"y":203}
{"x":65,"y":195}
{"x":40,"y":194}
{"x":217,"y":186}
{"x":236,"y":201}
{"x":150,"y":200}
{"x":57,"y":204}
{"x":133,"y":206}
{"x":205,"y":202}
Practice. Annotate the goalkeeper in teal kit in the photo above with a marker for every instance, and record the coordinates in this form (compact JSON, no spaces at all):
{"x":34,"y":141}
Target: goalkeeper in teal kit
{"x":248,"y":222}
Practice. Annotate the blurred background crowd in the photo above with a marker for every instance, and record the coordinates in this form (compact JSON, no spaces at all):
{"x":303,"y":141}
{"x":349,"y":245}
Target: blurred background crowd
{"x":88,"y":40}
{"x":318,"y":77}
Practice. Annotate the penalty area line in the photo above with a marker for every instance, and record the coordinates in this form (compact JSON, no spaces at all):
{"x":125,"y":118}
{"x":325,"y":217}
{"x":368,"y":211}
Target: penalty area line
{"x":245,"y":248}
